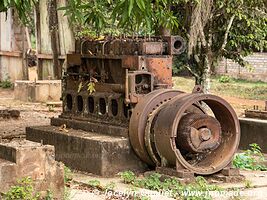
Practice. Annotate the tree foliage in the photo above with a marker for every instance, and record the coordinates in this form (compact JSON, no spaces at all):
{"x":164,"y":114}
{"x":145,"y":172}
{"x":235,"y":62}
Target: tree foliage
{"x":22,"y":7}
{"x":140,"y":17}
{"x":235,"y":28}
{"x":213,"y":28}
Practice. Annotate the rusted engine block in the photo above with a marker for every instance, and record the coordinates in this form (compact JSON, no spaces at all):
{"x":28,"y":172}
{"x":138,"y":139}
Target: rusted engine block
{"x":127,"y":83}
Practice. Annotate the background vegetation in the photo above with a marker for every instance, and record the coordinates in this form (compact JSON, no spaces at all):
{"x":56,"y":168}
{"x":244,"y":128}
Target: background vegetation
{"x":213,"y":29}
{"x":231,"y":87}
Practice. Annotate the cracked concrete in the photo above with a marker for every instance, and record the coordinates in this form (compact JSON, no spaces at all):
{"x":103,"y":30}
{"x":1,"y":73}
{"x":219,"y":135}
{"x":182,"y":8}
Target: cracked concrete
{"x":21,"y":159}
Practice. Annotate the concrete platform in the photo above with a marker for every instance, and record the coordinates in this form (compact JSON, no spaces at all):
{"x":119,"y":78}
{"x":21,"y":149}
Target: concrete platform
{"x":253,"y":131}
{"x":38,"y":91}
{"x":21,"y":159}
{"x":87,"y":151}
{"x":89,"y":126}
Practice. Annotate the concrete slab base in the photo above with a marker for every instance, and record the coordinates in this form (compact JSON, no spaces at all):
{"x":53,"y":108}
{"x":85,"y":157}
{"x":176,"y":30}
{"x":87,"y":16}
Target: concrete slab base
{"x":29,"y":159}
{"x":228,"y":179}
{"x":89,"y":126}
{"x":38,"y":91}
{"x":185,"y":176}
{"x":253,"y":131}
{"x":99,"y":154}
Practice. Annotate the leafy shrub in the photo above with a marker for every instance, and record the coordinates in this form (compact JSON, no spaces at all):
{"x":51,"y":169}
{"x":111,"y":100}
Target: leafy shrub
{"x":6,"y":83}
{"x":173,"y":185}
{"x":128,"y":177}
{"x":94,"y":183}
{"x":225,"y":79}
{"x":110,"y":186}
{"x":250,"y":159}
{"x":179,"y":64}
{"x":67,"y":193}
{"x":24,"y":190}
{"x":67,"y":174}
{"x":49,"y":195}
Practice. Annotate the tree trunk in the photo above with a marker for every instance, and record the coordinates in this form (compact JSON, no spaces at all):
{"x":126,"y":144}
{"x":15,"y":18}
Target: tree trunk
{"x":199,"y":80}
{"x":207,"y":76}
{"x":24,"y":58}
{"x":53,"y":27}
{"x":163,"y":31}
{"x":204,"y":79}
{"x":38,"y":39}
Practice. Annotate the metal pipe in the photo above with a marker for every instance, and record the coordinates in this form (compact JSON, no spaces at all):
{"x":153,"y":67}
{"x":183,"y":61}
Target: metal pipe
{"x":127,"y":100}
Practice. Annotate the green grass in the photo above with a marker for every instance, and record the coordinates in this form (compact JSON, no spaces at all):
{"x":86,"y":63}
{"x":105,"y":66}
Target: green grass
{"x":234,"y":88}
{"x":175,"y":188}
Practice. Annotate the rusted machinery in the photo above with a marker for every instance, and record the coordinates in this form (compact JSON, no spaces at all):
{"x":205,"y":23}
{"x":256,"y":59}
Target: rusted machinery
{"x":256,"y":112}
{"x":126,"y":82}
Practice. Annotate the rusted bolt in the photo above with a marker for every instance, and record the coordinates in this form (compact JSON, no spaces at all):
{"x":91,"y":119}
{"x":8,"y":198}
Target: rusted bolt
{"x":145,"y":86}
{"x":205,"y":134}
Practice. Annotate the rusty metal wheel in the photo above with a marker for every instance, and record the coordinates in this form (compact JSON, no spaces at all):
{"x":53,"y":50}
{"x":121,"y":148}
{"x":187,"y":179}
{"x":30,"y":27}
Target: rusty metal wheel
{"x":139,"y":118}
{"x":149,"y":131}
{"x":199,"y":142}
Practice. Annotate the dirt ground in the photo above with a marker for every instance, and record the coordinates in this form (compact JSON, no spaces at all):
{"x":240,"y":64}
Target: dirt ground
{"x":240,"y":105}
{"x":35,"y":114}
{"x":229,"y":93}
{"x":31,"y":114}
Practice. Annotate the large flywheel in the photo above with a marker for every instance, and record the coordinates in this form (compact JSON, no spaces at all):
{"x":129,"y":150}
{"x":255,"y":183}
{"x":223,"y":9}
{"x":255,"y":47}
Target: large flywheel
{"x":197,"y":132}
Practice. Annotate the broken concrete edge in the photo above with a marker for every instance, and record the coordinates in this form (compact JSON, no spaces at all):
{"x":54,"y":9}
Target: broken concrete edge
{"x":9,"y":113}
{"x":253,"y":120}
{"x":75,"y":147}
{"x":253,"y":131}
{"x":33,"y":160}
{"x":90,"y":126}
{"x":54,"y":103}
{"x":38,"y":91}
{"x":228,"y":174}
{"x":103,"y":155}
{"x":77,"y":158}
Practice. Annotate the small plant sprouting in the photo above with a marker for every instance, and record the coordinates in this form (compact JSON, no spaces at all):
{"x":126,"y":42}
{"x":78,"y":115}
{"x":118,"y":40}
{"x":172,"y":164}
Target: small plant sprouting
{"x":225,"y":79}
{"x":6,"y":83}
{"x":51,"y":108}
{"x":91,"y":87}
{"x":250,"y":159}
{"x":172,"y":185}
{"x":94,"y":183}
{"x":128,"y":177}
{"x":80,"y":87}
{"x":67,"y":174}
{"x":110,"y":186}
{"x":23,"y":190}
{"x":49,"y":195}
{"x":248,"y":184}
{"x":66,"y":193}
